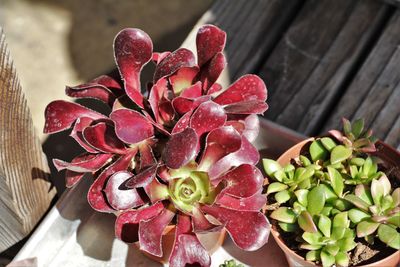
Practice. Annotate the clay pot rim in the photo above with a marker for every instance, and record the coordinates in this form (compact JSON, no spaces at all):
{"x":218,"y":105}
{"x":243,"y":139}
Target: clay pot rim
{"x":297,"y":148}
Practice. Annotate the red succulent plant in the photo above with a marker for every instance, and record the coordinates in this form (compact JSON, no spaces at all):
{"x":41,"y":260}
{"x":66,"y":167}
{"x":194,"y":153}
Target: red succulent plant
{"x":180,"y":153}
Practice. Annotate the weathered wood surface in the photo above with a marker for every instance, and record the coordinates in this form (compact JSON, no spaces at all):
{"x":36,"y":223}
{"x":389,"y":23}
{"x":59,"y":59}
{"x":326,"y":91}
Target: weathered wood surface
{"x":25,"y":193}
{"x":374,"y":94}
{"x":309,"y":52}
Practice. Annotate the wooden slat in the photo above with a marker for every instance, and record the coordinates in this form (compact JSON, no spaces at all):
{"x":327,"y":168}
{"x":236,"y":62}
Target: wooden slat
{"x":253,"y":29}
{"x":309,"y":68}
{"x":374,"y":93}
{"x":25,"y":192}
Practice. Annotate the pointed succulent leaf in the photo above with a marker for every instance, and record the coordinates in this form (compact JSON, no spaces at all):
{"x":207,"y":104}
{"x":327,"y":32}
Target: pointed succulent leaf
{"x":338,"y":232}
{"x":342,"y":204}
{"x":120,"y":197}
{"x":357,"y":128}
{"x":328,"y":143}
{"x":282,"y":196}
{"x":366,"y":227}
{"x":312,"y":238}
{"x":336,"y":181}
{"x":389,"y":236}
{"x":357,"y":161}
{"x":346,"y":126}
{"x":306,"y":222}
{"x":332,"y":249}
{"x":330,"y":195}
{"x":288,"y":227}
{"x":396,"y":197}
{"x":339,"y":154}
{"x":249,"y":230}
{"x":317,"y":150}
{"x":364,"y":193}
{"x":271,"y":166}
{"x":377,"y":190}
{"x":60,"y":115}
{"x":358,"y":202}
{"x":356,"y":215}
{"x":276,"y":187}
{"x":246,"y":88}
{"x":324,"y":225}
{"x":311,"y":247}
{"x":133,"y":48}
{"x":316,"y":200}
{"x":130,"y":126}
{"x":304,"y":161}
{"x":346,"y":244}
{"x":327,"y":259}
{"x":210,"y":40}
{"x":180,"y":148}
{"x":301,"y":195}
{"x":341,"y":220}
{"x":342,"y":259}
{"x":307,"y":174}
{"x":284,"y":214}
{"x":151,"y":231}
{"x":394,"y":219}
{"x":313,"y":255}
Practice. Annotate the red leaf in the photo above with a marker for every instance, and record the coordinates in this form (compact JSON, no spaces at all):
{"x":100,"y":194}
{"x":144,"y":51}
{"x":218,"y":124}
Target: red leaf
{"x":180,"y":58}
{"x":211,"y":71}
{"x":131,"y":126}
{"x":214,"y":89}
{"x":247,"y":154}
{"x":183,"y":79}
{"x":180,"y":148}
{"x":97,"y":89}
{"x":219,"y":143}
{"x":210,"y":40}
{"x":253,"y":203}
{"x":83,"y":163}
{"x":102,"y":137}
{"x":150,"y":232}
{"x":193,"y":91}
{"x":76,"y":133}
{"x":60,"y":115}
{"x":119,"y":197}
{"x":146,"y":156}
{"x":207,"y":117}
{"x":247,"y":107}
{"x":243,"y":181}
{"x":158,"y":57}
{"x":156,"y":94}
{"x":246,"y":88}
{"x":201,"y":224}
{"x":95,"y":195}
{"x":143,"y":178}
{"x":187,"y":247}
{"x":127,"y":223}
{"x":249,"y":230}
{"x":183,"y":123}
{"x":72,"y":178}
{"x":132,"y":49}
{"x":156,"y":191}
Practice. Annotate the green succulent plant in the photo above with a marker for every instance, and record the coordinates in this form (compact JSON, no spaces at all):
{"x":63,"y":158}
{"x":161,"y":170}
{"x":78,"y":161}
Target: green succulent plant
{"x":334,"y":193}
{"x":377,"y":209}
{"x":231,"y":263}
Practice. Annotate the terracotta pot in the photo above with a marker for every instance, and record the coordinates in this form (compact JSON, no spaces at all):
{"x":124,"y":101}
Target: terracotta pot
{"x":211,"y":242}
{"x":387,"y":154}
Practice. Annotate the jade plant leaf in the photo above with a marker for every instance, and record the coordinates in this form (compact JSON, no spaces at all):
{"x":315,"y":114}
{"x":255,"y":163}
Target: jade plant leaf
{"x":282,"y":196}
{"x":389,"y":235}
{"x":301,"y":195}
{"x":316,"y":200}
{"x":317,"y":151}
{"x":288,"y":227}
{"x":306,"y":222}
{"x":324,"y":225}
{"x":336,"y":181}
{"x":356,"y":215}
{"x":276,"y":187}
{"x":327,"y":259}
{"x":312,"y":238}
{"x":339,"y":154}
{"x":342,"y":259}
{"x":328,"y":143}
{"x":284,"y":214}
{"x":271,"y":166}
{"x":366,"y":227}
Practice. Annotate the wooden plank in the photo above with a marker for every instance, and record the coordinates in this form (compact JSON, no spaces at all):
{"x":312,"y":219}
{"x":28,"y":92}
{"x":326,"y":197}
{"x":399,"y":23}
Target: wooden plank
{"x":253,"y":29}
{"x":25,"y":193}
{"x":374,"y":92}
{"x":309,"y":68}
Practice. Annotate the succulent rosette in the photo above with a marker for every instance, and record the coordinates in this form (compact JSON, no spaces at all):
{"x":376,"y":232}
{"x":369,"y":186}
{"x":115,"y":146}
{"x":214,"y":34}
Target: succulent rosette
{"x":179,"y":154}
